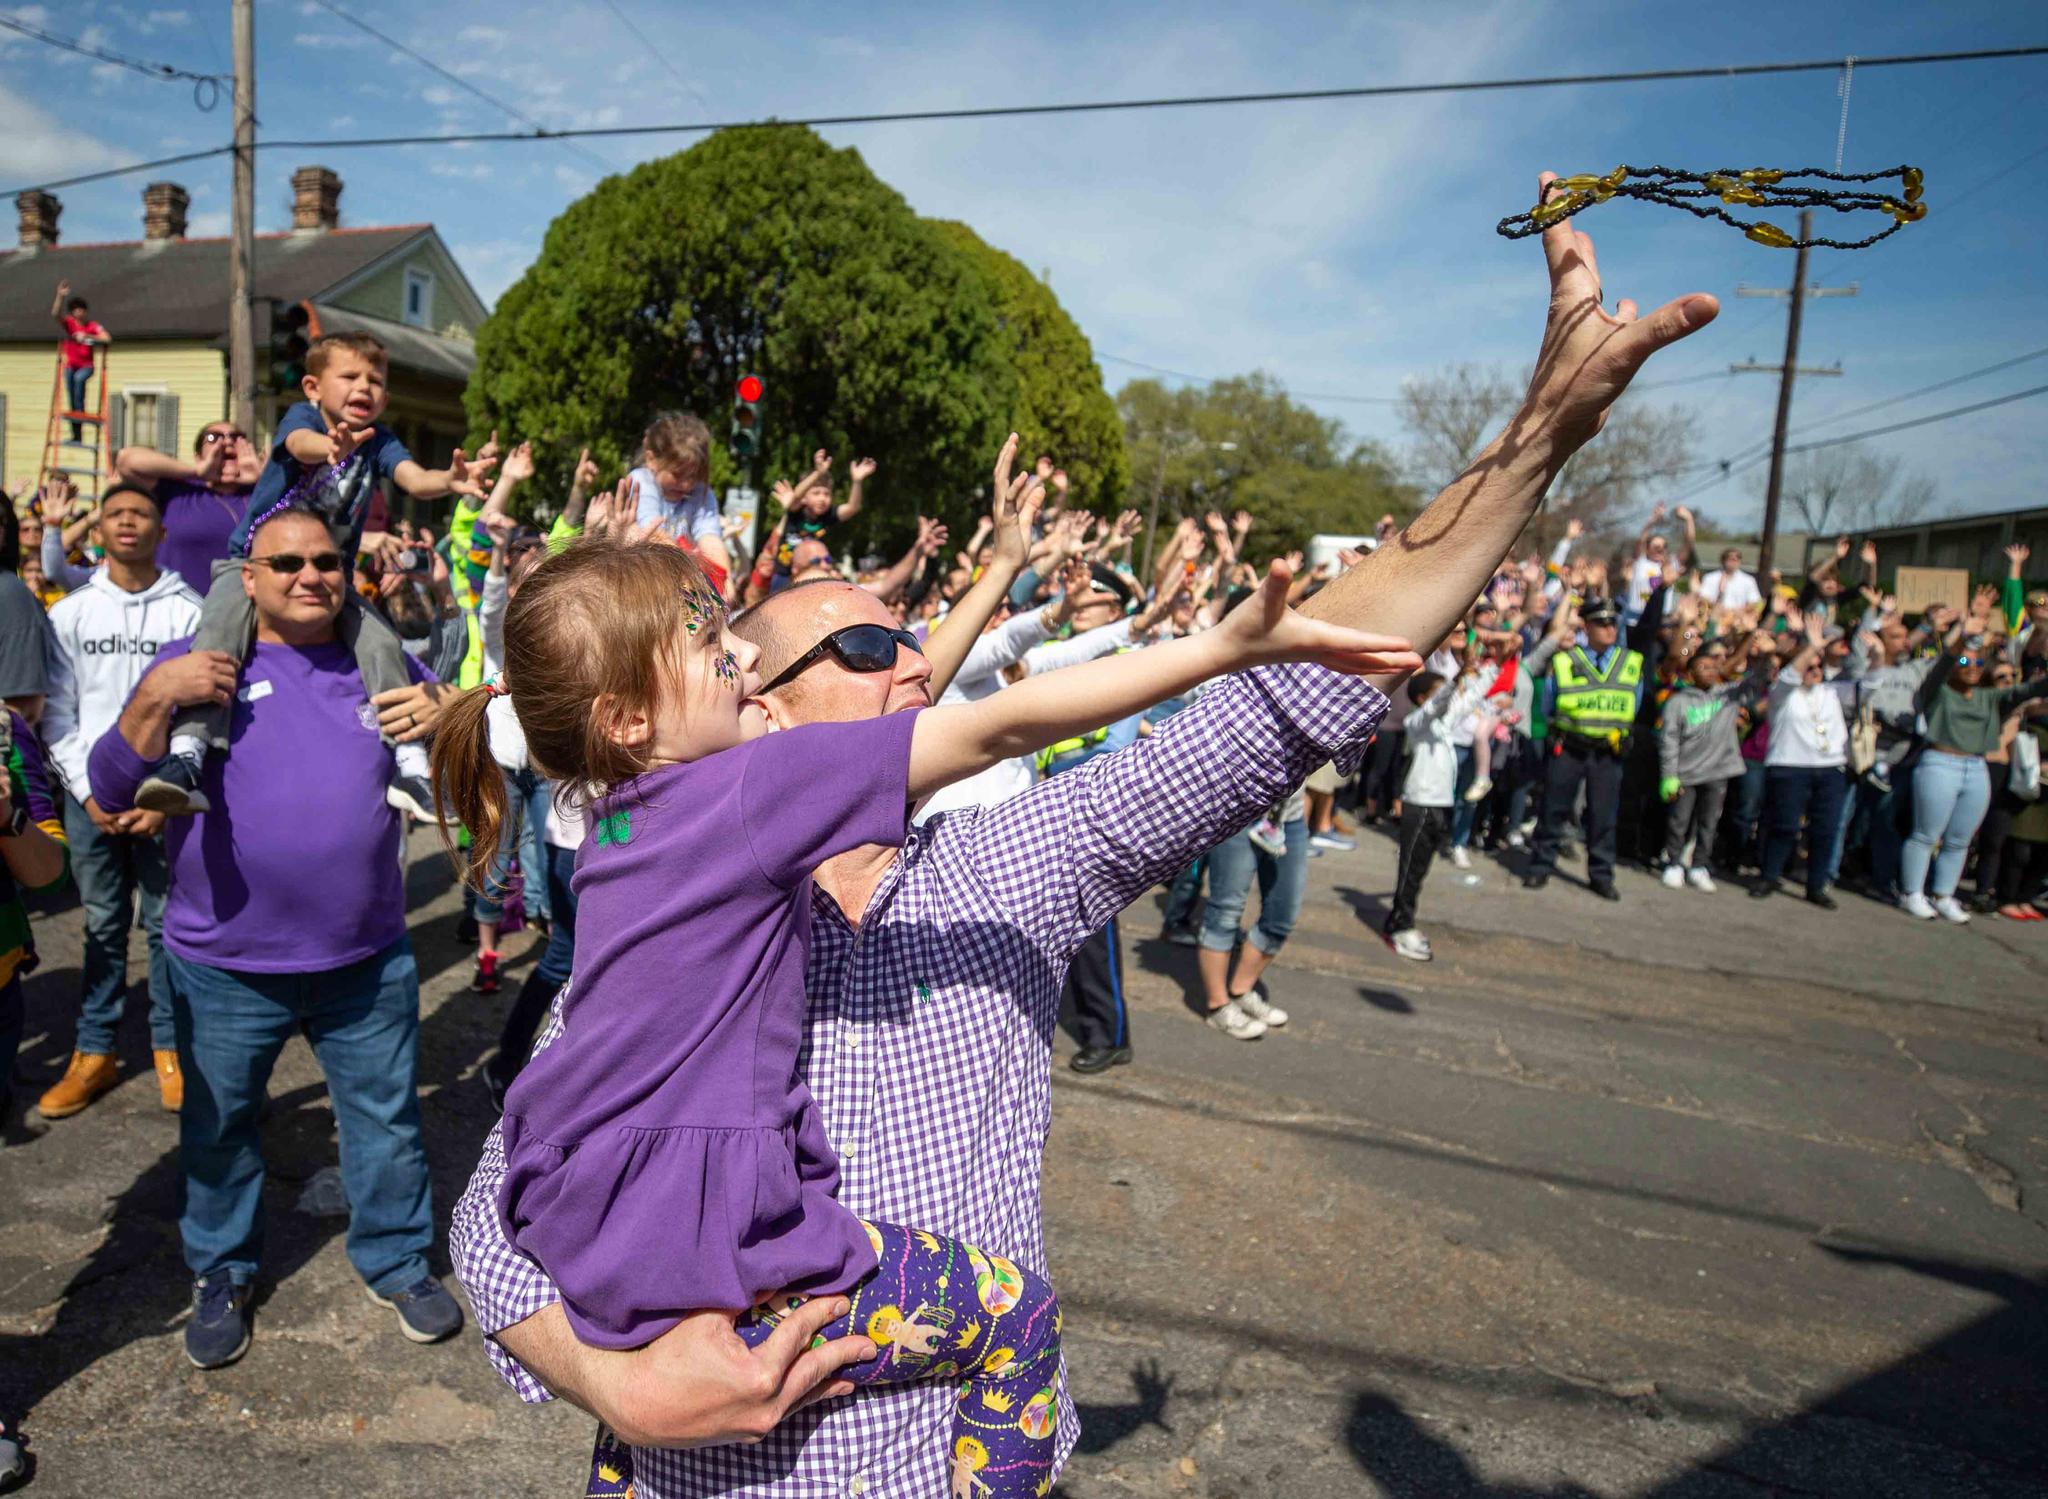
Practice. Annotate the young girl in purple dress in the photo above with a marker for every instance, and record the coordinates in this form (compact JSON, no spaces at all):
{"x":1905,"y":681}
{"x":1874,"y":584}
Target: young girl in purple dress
{"x":663,"y":1155}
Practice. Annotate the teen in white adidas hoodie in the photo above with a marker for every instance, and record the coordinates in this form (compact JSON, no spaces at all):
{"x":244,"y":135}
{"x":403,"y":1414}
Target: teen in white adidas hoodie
{"x":107,"y":633}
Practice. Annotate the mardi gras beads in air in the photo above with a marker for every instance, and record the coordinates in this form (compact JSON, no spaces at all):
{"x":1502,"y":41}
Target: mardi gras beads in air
{"x":1703,"y":193}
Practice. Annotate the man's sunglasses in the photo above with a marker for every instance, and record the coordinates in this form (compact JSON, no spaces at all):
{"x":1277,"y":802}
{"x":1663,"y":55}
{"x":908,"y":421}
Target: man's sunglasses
{"x":1969,"y":660}
{"x":863,"y":648}
{"x":288,"y":564}
{"x":210,"y":437}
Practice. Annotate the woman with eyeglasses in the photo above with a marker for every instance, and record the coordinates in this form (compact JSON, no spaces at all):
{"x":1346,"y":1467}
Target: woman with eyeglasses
{"x":1952,"y":783}
{"x":202,"y":500}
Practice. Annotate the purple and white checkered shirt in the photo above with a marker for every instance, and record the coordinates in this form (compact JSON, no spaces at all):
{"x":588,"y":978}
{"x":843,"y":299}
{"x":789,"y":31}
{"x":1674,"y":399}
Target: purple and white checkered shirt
{"x":928,"y":1042}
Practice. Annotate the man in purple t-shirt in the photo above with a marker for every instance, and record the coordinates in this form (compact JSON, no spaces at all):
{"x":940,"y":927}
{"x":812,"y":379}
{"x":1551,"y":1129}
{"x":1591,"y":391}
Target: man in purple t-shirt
{"x":202,"y":500}
{"x":286,"y":914}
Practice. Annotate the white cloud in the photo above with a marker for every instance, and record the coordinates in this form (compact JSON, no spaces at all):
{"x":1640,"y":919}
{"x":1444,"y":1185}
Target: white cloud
{"x":488,"y":36}
{"x":165,"y":20}
{"x":476,"y":173}
{"x":211,"y":225}
{"x":331,"y":41}
{"x":40,"y":146}
{"x":438,"y":96}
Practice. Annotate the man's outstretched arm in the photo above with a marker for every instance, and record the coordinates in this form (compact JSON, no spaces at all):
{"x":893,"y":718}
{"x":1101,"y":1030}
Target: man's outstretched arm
{"x":1420,"y":582}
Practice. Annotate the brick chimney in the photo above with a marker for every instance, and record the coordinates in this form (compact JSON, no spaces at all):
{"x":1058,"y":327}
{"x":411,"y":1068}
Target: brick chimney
{"x":163,"y":211}
{"x":39,"y":214}
{"x":316,"y":200}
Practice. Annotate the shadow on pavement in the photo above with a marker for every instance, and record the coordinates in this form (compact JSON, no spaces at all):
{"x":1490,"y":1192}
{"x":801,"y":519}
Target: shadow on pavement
{"x":1103,"y":1426}
{"x":1961,"y":1415}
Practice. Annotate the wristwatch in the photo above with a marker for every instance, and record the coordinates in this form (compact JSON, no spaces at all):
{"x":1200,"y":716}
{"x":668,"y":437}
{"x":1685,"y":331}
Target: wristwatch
{"x":18,"y":823}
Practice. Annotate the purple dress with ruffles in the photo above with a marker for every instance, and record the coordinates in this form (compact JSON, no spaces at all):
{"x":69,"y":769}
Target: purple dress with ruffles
{"x":662,"y":1155}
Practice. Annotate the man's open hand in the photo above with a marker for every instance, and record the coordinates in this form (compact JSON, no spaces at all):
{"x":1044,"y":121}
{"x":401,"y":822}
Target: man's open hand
{"x":1589,"y":355}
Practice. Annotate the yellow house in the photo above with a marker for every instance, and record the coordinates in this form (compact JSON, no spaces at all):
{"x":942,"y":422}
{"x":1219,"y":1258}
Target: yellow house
{"x":163,"y":300}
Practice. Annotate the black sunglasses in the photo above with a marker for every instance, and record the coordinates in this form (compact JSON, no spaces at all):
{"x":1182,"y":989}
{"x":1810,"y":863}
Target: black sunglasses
{"x":858,"y":647}
{"x":210,"y":437}
{"x":286,"y":564}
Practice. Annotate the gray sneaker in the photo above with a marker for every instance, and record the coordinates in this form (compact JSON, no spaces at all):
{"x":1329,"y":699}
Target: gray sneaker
{"x":1235,"y":1023}
{"x":1255,"y":1004}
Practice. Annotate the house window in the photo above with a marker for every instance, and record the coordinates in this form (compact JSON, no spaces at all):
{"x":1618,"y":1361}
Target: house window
{"x":419,"y":298}
{"x":146,"y":416}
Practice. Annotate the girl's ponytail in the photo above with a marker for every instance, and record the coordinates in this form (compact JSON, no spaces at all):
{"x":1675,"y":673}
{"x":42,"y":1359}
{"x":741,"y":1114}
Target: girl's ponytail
{"x":469,"y":788}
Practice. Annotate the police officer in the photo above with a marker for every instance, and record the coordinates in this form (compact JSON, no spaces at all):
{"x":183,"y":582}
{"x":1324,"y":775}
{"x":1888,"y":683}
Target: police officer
{"x":1594,"y":690}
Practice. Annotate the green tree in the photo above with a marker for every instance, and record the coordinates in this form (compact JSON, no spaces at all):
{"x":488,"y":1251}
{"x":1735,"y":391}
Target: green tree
{"x":1062,"y":407}
{"x":758,"y":251}
{"x":1243,"y":444}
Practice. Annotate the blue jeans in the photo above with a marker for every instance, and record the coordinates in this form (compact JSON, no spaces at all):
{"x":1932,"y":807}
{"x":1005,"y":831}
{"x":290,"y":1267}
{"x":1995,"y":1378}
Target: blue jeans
{"x":530,"y":1007}
{"x":363,"y":1021}
{"x":1462,"y":811}
{"x":1950,"y":795}
{"x":1875,"y":815}
{"x":1184,"y":894}
{"x":527,"y":793}
{"x":1749,"y":799}
{"x":75,"y":382}
{"x":1281,"y":880}
{"x":560,"y":953}
{"x":112,"y":870}
{"x":1812,"y":793}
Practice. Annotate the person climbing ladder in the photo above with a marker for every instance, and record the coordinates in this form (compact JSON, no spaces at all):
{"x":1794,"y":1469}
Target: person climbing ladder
{"x":81,"y":336}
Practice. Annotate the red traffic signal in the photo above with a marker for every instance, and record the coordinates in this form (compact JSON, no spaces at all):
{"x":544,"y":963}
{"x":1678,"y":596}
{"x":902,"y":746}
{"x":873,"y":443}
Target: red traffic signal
{"x":750,"y":387}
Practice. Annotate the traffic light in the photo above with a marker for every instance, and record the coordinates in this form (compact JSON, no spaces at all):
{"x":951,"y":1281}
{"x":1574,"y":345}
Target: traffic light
{"x":744,"y":438}
{"x":289,"y":340}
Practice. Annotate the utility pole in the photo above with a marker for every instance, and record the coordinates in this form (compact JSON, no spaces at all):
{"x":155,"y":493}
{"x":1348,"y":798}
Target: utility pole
{"x":1797,"y":293}
{"x":242,"y":239}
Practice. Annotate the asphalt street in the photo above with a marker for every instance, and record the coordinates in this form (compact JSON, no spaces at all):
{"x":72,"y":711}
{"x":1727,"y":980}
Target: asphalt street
{"x":1690,"y":1196}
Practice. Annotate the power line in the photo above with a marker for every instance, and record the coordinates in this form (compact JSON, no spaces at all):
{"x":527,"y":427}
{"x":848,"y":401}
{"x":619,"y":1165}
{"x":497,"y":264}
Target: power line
{"x":1921,"y":421}
{"x":205,"y":86}
{"x":460,"y":82}
{"x":659,"y":55}
{"x":1187,"y":101}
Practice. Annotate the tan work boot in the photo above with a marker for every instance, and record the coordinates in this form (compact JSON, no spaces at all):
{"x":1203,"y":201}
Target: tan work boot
{"x":88,"y":1076}
{"x":170,"y":1082}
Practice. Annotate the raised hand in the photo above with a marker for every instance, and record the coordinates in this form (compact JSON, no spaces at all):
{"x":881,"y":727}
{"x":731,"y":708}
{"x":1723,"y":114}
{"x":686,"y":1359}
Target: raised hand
{"x":1241,"y":522}
{"x":931,"y":537}
{"x":2017,"y":554}
{"x":466,"y":475}
{"x":1129,"y":524}
{"x":1870,"y":556}
{"x":1983,"y":601}
{"x":1014,"y":509}
{"x":1589,"y":355}
{"x":860,"y":469}
{"x":1841,"y":547}
{"x":57,"y":498}
{"x":821,"y":462}
{"x":1059,"y":482}
{"x":1264,"y":629}
{"x":1214,"y":521}
{"x":783,"y":493}
{"x":519,"y":464}
{"x":585,"y":475}
{"x":1574,"y":529}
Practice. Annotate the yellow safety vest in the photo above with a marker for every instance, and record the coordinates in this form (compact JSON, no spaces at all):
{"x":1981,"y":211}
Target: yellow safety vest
{"x":1052,"y":752}
{"x":1593,"y":705}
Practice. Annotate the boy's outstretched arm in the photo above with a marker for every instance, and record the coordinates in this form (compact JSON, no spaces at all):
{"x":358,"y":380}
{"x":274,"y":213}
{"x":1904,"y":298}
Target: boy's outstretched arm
{"x":953,"y":742}
{"x":463,"y":475}
{"x":858,"y":470}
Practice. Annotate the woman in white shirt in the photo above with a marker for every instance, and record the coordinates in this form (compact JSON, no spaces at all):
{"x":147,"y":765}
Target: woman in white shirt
{"x":1809,"y":745}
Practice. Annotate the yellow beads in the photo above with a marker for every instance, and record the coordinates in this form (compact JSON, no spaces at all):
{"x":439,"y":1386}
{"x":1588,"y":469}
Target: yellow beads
{"x":1911,"y":180}
{"x":1742,"y":195}
{"x":1615,"y":178}
{"x":1584,"y":182}
{"x":1763,"y":174}
{"x":1716,"y":183}
{"x":1770,"y":234}
{"x":1906,"y":213}
{"x":1557,"y":208}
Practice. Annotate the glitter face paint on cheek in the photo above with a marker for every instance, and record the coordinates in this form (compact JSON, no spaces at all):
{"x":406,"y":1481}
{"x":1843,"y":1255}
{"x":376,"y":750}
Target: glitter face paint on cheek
{"x":726,"y":667}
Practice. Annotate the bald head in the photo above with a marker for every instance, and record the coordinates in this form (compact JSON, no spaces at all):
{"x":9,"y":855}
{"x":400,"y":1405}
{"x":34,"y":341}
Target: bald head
{"x":787,"y":624}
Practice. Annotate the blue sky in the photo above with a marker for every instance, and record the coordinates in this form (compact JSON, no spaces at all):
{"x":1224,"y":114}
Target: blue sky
{"x":1340,"y":246}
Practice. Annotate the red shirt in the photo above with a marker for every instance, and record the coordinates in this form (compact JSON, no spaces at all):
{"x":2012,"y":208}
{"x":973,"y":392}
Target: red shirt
{"x":78,"y":336}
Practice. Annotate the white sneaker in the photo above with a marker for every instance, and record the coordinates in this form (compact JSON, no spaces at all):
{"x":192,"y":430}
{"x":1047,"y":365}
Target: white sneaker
{"x":1254,"y":1004}
{"x":1236,"y":1024}
{"x":1948,"y":908}
{"x":1916,"y":904}
{"x":1674,"y":877}
{"x":1460,"y":859}
{"x":1410,"y":943}
{"x":1477,"y":791}
{"x":1700,"y":880}
{"x":1516,"y":840}
{"x":1268,"y":837}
